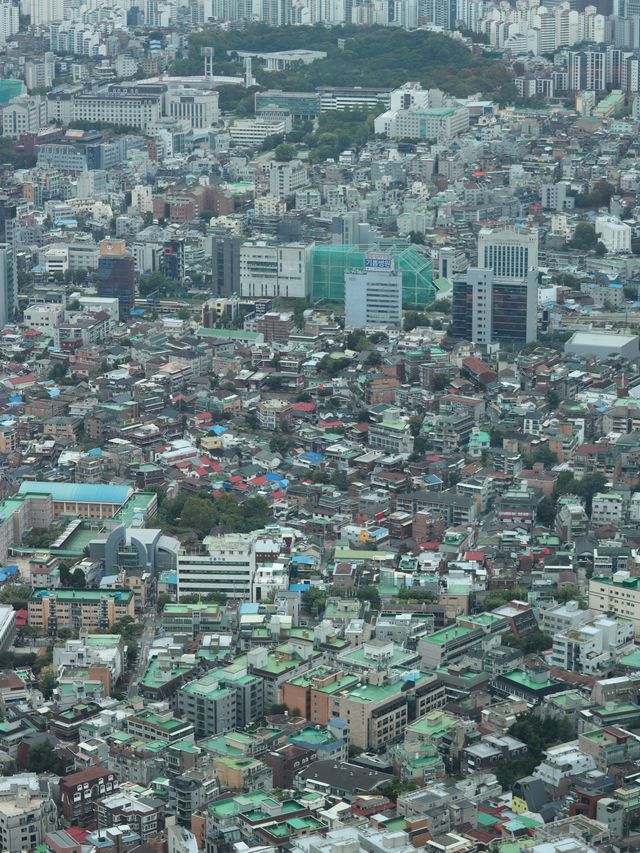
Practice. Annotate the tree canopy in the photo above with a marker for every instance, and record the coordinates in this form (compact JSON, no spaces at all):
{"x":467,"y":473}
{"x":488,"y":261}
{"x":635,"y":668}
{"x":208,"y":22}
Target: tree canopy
{"x":432,"y":59}
{"x":201,"y":513}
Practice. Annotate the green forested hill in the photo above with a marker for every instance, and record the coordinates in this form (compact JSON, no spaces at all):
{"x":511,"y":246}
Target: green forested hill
{"x":375,"y":56}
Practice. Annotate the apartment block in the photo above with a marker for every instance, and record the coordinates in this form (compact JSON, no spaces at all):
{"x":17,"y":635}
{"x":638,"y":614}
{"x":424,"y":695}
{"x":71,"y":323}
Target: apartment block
{"x":77,"y":609}
{"x":619,"y":594}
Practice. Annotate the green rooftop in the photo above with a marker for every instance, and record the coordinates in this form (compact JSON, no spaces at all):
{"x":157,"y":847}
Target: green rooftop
{"x":169,"y":725}
{"x":80,"y":595}
{"x":159,"y":672}
{"x":446,"y":635}
{"x":521,"y":677}
{"x":627,"y":583}
{"x":313,"y":736}
{"x":374,"y":693}
{"x":208,"y":686}
{"x":433,"y":725}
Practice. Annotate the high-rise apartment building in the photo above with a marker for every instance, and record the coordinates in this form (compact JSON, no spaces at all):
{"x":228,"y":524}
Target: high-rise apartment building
{"x":9,"y":19}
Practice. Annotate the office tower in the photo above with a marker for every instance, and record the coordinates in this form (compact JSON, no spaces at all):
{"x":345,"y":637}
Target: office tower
{"x":373,"y":296}
{"x":489,"y":310}
{"x":172,"y":259}
{"x":116,"y":275}
{"x":509,"y":252}
{"x":225,"y":265}
{"x":8,"y":294}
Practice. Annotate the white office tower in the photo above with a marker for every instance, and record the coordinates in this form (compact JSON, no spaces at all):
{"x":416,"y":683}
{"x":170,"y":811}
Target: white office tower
{"x":8,"y":290}
{"x":43,"y":12}
{"x":510,"y":252}
{"x":373,"y":296}
{"x":9,"y":19}
{"x":199,"y":108}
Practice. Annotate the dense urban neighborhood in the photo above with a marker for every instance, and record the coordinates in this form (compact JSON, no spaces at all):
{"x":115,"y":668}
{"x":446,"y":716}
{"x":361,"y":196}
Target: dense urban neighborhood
{"x":319,"y":426}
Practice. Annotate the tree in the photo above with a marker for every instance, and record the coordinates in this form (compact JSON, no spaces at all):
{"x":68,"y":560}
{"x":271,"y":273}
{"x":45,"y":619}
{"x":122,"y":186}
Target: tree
{"x":546,"y":511}
{"x":570,"y":593}
{"x":496,"y":436}
{"x":498,"y":597}
{"x":417,"y":237}
{"x":251,"y":420}
{"x":161,"y":600}
{"x":585,"y":488}
{"x":15,"y":595}
{"x":370,"y":594}
{"x":415,"y":424}
{"x":553,"y":399}
{"x":281,"y":444}
{"x":601,"y":249}
{"x":58,"y":371}
{"x":314,"y":600}
{"x":394,"y":789}
{"x":532,"y":644}
{"x":584,"y":236}
{"x":440,"y":382}
{"x":284,"y":152}
{"x":198,"y":514}
{"x":545,"y":455}
{"x":278,"y":708}
{"x":42,"y":758}
{"x":48,"y":681}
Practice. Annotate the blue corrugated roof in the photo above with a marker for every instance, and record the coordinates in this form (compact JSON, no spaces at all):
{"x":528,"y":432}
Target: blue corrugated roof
{"x":310,"y":456}
{"x":82,"y":492}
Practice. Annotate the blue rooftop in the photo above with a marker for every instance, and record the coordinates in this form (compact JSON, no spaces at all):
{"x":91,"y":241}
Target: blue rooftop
{"x":81,"y":492}
{"x":310,"y":456}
